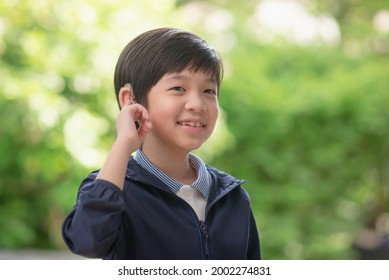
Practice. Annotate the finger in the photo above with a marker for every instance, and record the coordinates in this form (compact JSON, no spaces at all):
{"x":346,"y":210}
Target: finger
{"x":143,"y":130}
{"x":141,"y":116}
{"x":147,"y":125}
{"x":140,"y":113}
{"x":146,"y":122}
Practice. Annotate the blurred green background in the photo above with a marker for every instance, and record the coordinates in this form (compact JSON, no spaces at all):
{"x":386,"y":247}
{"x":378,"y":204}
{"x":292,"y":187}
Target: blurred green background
{"x":305,"y":119}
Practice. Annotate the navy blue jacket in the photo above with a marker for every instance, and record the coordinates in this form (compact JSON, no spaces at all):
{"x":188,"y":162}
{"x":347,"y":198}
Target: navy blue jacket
{"x":148,"y":221}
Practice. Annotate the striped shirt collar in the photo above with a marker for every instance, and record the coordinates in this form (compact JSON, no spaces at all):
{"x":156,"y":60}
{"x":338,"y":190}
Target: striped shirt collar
{"x":202,"y":183}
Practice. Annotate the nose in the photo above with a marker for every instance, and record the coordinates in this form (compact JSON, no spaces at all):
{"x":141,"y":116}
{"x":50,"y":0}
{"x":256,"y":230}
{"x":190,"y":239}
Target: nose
{"x":195,"y":102}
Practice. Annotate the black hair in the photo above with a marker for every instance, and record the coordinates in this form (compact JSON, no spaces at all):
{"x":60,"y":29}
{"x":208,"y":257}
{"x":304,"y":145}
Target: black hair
{"x":155,"y":53}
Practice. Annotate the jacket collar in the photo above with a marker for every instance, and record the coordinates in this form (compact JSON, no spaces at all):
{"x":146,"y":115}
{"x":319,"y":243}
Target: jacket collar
{"x":222,"y":183}
{"x":203,"y":178}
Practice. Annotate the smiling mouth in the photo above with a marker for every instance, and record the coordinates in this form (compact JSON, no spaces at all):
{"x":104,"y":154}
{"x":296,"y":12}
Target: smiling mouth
{"x":192,"y":124}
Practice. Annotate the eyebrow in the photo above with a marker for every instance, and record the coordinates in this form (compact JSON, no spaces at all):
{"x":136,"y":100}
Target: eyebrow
{"x":180,"y":77}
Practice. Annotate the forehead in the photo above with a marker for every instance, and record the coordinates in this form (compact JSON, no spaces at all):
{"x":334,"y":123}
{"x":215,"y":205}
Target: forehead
{"x":187,"y":74}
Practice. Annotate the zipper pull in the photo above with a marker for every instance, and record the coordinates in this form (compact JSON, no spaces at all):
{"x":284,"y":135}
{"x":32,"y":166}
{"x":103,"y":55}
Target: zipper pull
{"x":204,"y":232}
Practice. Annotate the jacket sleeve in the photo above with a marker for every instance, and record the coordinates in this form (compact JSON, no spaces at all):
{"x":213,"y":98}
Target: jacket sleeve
{"x":254,"y":248}
{"x":93,"y":226}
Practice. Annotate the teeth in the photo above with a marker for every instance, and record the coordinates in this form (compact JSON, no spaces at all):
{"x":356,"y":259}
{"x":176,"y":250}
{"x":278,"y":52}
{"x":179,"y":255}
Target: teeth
{"x":194,"y":124}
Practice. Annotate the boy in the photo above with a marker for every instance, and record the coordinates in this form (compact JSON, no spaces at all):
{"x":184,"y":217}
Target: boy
{"x":164,"y":202}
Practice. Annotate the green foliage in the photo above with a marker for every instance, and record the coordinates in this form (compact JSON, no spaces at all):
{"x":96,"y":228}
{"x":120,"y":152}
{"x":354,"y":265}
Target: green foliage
{"x":306,"y":125}
{"x":314,"y":146}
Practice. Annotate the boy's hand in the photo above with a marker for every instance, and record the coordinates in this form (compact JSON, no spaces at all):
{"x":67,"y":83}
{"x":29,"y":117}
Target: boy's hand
{"x":126,"y":127}
{"x":129,"y":138}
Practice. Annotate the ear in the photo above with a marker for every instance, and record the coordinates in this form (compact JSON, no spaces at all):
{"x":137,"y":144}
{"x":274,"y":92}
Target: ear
{"x":126,"y":95}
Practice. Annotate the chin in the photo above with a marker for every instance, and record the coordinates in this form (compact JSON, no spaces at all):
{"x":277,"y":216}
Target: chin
{"x":192,"y":146}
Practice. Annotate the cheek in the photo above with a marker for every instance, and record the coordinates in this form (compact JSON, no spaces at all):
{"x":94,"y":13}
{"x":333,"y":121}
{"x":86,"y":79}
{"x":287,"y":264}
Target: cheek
{"x":161,"y":112}
{"x":212,"y":119}
{"x":214,"y":110}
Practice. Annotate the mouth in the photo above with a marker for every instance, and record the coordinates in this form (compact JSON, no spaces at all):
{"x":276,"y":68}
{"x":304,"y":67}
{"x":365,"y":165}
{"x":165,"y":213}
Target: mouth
{"x":191,"y":124}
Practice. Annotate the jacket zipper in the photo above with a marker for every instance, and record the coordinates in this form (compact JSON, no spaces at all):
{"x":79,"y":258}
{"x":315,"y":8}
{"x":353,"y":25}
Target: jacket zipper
{"x":203,"y":226}
{"x":204,"y":236}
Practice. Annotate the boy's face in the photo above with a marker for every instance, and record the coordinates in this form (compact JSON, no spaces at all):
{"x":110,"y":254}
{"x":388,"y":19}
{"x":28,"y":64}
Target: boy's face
{"x":183,"y":108}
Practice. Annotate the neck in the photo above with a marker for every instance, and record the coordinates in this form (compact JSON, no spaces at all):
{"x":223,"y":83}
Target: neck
{"x":174,"y":164}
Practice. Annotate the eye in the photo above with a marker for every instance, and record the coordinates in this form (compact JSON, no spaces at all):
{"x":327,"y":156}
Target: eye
{"x":178,"y":89}
{"x":210,"y":91}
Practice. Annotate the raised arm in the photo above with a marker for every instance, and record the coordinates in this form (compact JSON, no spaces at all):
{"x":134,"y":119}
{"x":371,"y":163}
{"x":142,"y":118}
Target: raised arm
{"x":94,"y":224}
{"x":129,"y":138}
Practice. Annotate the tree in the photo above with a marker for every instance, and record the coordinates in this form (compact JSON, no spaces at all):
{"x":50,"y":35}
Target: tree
{"x":304,"y":113}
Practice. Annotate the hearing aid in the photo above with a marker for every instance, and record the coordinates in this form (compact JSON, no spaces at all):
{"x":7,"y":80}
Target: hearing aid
{"x":129,"y":86}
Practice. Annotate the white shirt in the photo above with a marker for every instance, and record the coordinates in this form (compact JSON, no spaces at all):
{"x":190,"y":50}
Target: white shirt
{"x":196,"y":194}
